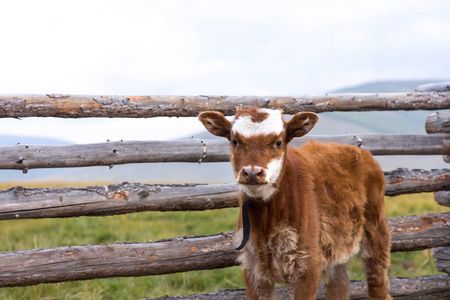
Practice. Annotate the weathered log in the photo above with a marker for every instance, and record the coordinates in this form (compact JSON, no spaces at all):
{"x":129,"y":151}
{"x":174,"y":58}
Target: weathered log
{"x":25,"y":157}
{"x":428,"y":287}
{"x":412,"y":233}
{"x":405,"y":181}
{"x":82,"y":106}
{"x":438,"y":122}
{"x":434,"y":87}
{"x":442,"y":198}
{"x":441,"y":256}
{"x":100,"y":154}
{"x":30,"y":267}
{"x":21,"y":203}
{"x":405,"y":144}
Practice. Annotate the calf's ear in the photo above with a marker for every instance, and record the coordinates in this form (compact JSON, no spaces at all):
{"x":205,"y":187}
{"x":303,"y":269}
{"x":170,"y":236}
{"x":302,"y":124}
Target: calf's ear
{"x":216,"y":123}
{"x":300,"y":124}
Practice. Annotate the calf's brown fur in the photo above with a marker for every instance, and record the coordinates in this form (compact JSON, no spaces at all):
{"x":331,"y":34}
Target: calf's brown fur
{"x":311,"y":208}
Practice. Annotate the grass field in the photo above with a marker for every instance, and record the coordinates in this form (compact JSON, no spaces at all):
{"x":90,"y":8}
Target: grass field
{"x":151,"y":226}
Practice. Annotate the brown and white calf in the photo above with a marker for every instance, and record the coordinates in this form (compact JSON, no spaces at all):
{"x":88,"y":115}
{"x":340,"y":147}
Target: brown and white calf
{"x":310,"y":210}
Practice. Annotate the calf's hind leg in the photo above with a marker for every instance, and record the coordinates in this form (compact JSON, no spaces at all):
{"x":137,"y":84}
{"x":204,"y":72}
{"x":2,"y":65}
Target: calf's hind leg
{"x":337,"y":284}
{"x":375,"y":248}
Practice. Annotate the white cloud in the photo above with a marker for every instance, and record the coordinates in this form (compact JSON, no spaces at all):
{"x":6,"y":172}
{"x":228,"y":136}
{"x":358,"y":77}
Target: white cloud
{"x":100,"y":130}
{"x":83,"y":47}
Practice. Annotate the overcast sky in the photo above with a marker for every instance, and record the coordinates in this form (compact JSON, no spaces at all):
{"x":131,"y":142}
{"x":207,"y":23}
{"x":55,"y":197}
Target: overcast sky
{"x":208,"y":47}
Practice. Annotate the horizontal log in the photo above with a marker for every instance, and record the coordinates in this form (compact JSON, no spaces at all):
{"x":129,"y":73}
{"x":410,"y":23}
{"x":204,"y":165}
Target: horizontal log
{"x":428,"y":287}
{"x":442,"y":198}
{"x":441,"y":256}
{"x":406,"y":181}
{"x":413,"y":233}
{"x":25,"y":157}
{"x":31,"y":267}
{"x":404,"y":144}
{"x":82,"y":106}
{"x":21,"y":203}
{"x":438,"y":122}
{"x":434,"y":87}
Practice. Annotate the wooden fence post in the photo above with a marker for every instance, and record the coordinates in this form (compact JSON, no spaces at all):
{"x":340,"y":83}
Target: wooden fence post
{"x":439,"y":122}
{"x":441,"y":256}
{"x":442,"y":197}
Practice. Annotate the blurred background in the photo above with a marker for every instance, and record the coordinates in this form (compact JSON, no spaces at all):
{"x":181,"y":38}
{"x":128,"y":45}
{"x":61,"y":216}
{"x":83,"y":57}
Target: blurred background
{"x":216,"y":48}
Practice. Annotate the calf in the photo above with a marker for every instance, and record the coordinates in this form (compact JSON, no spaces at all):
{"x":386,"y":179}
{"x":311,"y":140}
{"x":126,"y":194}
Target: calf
{"x":309,"y":209}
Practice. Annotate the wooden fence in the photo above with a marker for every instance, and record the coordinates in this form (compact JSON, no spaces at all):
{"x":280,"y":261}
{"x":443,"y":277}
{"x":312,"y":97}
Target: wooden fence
{"x":181,"y":254}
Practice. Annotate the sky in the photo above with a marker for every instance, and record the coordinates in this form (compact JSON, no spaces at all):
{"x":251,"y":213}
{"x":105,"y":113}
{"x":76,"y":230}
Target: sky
{"x":208,"y":47}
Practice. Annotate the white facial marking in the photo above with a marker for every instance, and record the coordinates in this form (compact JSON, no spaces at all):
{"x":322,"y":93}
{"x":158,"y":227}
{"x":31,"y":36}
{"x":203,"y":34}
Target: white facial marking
{"x":245,"y":126}
{"x":265,"y":191}
{"x":274,"y":169}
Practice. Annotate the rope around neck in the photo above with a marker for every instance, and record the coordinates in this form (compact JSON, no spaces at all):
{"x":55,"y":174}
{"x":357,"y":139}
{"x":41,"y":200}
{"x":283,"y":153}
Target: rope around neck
{"x":246,"y":224}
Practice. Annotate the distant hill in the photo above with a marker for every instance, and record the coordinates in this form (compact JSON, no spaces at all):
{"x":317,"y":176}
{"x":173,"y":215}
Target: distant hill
{"x":392,"y":86}
{"x":329,"y":124}
{"x":18,"y":176}
{"x":11,"y":140}
{"x":411,"y":122}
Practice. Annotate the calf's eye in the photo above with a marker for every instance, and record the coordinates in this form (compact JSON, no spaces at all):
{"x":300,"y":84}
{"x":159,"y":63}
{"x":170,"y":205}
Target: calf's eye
{"x":278,"y":144}
{"x":234,"y":143}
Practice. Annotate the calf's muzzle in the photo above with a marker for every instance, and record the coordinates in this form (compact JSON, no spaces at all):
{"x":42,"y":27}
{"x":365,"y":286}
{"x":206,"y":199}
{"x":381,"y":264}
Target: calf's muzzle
{"x":252,"y":175}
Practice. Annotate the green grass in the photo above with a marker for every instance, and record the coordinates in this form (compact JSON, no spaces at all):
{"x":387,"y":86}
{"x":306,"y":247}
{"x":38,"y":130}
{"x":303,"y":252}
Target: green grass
{"x":151,"y":226}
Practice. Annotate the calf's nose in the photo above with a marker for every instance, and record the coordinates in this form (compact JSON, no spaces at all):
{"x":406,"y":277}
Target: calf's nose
{"x":253,"y":174}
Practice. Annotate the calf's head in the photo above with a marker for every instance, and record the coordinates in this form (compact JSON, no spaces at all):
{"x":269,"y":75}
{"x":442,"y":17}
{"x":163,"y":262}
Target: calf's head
{"x":258,"y":139}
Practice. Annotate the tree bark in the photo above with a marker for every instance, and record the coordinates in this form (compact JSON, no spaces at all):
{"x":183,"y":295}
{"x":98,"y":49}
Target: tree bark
{"x":25,"y":157}
{"x":21,"y":203}
{"x":406,"y":181}
{"x":429,"y":287}
{"x":82,"y":106}
{"x":441,"y":256}
{"x":413,"y":233}
{"x":31,"y":267}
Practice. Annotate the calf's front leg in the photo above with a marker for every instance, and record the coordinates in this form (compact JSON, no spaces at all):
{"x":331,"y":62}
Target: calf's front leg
{"x":307,"y":284}
{"x":258,"y":288}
